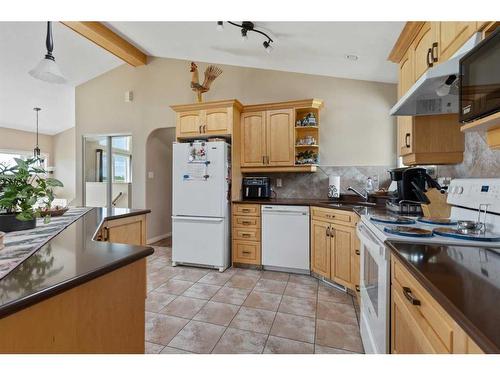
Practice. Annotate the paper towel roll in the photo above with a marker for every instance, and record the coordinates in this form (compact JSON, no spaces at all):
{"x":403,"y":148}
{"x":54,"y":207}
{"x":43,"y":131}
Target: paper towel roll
{"x":333,"y":186}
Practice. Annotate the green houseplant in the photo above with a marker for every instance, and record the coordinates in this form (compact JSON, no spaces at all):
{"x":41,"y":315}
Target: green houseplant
{"x":24,"y":192}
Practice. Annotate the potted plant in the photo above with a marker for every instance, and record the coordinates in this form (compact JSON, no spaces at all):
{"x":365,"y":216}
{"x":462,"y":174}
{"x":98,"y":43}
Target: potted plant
{"x":24,"y":192}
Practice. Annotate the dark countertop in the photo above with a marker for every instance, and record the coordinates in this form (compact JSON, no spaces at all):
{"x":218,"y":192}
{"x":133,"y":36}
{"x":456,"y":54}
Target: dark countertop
{"x":347,"y":203}
{"x":69,"y":259}
{"x":466,"y":283}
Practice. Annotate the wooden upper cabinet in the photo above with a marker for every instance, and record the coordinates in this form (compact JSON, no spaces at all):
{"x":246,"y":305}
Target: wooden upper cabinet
{"x":188,"y":123}
{"x":422,"y":50}
{"x":218,"y":121}
{"x":452,"y":35}
{"x":405,"y":135}
{"x":280,"y":137}
{"x":320,"y":248}
{"x":406,"y":75}
{"x":207,"y":119}
{"x":253,"y":139}
{"x":342,"y":245}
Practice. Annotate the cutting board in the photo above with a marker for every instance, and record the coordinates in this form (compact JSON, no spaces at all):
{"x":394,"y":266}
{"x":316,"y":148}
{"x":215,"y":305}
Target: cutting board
{"x":437,"y":207}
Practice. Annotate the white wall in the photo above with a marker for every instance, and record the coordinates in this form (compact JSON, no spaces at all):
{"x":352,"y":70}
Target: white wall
{"x":64,"y":163}
{"x":159,"y":188}
{"x":355,"y":126}
{"x":19,"y":140}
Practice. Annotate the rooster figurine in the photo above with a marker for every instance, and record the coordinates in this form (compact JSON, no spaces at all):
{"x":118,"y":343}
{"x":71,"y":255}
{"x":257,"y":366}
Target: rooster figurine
{"x":211,"y":73}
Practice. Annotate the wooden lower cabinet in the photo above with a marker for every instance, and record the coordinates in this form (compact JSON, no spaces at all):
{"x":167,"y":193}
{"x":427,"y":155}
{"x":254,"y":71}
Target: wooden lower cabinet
{"x":129,"y":230}
{"x":419,"y":325}
{"x":333,"y":246}
{"x":246,"y":233}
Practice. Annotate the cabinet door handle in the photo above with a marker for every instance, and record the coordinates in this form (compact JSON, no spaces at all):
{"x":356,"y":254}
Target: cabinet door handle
{"x":409,"y":296}
{"x":407,"y":140}
{"x":429,"y":58}
{"x":358,"y":252}
{"x":357,"y":288}
{"x":332,"y":232}
{"x":328,"y":231}
{"x":434,"y":48}
{"x":263,"y":159}
{"x":204,"y":128}
{"x":106,"y":234}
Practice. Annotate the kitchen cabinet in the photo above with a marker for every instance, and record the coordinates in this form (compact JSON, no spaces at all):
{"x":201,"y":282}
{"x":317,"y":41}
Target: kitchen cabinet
{"x":268,"y":136}
{"x":334,"y":246}
{"x":452,"y":35}
{"x":405,"y":75}
{"x":424,"y":50}
{"x":320,"y":248}
{"x":430,"y":139}
{"x":246,"y":234}
{"x":129,"y":230}
{"x":253,"y":139}
{"x":418,"y":323}
{"x":207,"y":119}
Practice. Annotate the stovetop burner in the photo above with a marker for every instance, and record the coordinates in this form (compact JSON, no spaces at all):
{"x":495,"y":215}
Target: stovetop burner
{"x":389,"y":219}
{"x":408,"y":231}
{"x":454,"y":233}
{"x":436,"y":221}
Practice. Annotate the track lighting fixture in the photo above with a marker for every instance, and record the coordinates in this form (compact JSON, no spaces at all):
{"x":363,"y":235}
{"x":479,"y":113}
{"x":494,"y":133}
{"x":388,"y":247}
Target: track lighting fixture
{"x":245,"y":27}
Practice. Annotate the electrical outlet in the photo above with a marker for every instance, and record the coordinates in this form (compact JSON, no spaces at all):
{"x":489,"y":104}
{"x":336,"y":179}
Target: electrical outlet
{"x":279,"y":182}
{"x":151,"y":175}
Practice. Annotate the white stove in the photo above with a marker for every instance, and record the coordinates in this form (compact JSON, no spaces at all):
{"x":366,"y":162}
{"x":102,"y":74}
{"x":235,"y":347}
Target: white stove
{"x":468,"y":197}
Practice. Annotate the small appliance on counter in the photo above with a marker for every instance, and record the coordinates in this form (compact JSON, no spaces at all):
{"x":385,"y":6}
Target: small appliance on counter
{"x":256,"y":187}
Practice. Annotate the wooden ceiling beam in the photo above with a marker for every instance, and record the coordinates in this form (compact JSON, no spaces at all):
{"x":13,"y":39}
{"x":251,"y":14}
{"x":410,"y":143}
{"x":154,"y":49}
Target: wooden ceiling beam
{"x":101,"y":35}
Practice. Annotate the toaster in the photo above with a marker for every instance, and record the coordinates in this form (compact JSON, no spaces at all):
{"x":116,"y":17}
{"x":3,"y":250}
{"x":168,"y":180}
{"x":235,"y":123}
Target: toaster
{"x":256,"y":187}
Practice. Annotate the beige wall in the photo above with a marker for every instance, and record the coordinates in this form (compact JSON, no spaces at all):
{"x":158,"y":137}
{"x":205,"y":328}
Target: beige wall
{"x":355,"y":126}
{"x":159,"y":187}
{"x":19,"y":140}
{"x":64,"y":163}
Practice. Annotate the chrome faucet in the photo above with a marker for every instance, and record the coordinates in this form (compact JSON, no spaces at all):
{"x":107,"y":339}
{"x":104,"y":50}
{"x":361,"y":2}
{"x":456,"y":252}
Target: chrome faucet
{"x":357,"y":192}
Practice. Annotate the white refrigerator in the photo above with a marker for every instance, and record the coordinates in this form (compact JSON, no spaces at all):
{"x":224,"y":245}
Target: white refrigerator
{"x":200,"y":207}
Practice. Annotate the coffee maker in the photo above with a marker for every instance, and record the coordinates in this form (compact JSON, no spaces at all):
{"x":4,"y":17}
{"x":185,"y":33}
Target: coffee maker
{"x":411,"y":184}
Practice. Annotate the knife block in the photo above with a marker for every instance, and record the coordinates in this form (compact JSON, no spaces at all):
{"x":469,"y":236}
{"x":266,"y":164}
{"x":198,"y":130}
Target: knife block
{"x":437,"y":208}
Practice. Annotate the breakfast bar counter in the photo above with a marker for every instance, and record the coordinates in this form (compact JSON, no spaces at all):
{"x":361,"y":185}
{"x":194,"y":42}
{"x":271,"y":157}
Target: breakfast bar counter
{"x":72,"y":293}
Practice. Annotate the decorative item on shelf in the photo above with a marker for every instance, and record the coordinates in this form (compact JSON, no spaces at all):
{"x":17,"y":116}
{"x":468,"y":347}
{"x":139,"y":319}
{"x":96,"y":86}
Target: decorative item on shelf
{"x":333,"y":186}
{"x":211,"y":73}
{"x":307,"y":141}
{"x":24,"y":193}
{"x":308,"y":120}
{"x":307,"y":157}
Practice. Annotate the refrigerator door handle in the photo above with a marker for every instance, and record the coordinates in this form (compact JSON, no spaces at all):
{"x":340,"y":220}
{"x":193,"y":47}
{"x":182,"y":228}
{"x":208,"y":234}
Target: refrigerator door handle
{"x":191,"y":218}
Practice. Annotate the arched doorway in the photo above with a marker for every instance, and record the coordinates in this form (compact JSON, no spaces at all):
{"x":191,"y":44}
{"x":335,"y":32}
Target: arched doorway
{"x":159,"y":183}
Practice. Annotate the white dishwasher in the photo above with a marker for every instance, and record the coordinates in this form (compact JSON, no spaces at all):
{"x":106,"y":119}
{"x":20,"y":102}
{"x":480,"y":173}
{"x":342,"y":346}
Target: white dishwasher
{"x":285,"y":238}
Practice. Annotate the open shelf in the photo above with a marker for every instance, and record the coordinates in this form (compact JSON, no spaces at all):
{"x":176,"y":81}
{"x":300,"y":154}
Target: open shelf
{"x":306,"y":146}
{"x":306,"y":127}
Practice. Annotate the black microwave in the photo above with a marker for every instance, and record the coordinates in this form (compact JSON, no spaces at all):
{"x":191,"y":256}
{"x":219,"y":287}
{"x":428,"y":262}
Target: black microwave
{"x":479,"y":93}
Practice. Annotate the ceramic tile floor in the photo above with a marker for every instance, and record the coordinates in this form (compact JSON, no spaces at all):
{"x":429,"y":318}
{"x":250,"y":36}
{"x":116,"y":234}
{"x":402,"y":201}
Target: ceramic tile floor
{"x":194,"y":310}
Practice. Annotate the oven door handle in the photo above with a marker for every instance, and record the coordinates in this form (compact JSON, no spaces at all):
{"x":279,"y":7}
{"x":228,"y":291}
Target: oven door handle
{"x":365,"y":235}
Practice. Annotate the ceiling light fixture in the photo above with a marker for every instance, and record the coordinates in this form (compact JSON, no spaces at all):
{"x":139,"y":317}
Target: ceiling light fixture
{"x":245,"y":27}
{"x":47,"y":69}
{"x":36,"y":150}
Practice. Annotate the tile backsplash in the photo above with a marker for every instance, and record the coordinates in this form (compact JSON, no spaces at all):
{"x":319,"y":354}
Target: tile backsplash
{"x":315,"y":185}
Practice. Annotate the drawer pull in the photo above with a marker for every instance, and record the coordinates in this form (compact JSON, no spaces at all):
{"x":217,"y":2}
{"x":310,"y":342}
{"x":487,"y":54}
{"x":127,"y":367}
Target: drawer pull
{"x":246,"y":210}
{"x":407,"y":292}
{"x":247,"y":252}
{"x":330,"y":216}
{"x":245,"y":235}
{"x":246,"y":222}
{"x":358,"y":252}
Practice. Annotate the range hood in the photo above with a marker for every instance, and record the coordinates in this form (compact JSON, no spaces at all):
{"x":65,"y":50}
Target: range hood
{"x":436,"y":91}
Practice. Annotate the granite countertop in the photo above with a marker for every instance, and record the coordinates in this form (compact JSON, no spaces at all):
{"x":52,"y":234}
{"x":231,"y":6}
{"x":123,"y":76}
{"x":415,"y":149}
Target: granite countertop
{"x":347,"y":203}
{"x":466,"y":283}
{"x":69,"y":259}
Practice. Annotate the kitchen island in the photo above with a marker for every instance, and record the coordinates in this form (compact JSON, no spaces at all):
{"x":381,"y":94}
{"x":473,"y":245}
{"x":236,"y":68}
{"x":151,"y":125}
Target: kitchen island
{"x":77,"y":294}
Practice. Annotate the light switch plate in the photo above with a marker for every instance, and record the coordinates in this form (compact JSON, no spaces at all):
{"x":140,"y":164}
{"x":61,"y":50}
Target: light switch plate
{"x":279,"y":182}
{"x":151,"y":175}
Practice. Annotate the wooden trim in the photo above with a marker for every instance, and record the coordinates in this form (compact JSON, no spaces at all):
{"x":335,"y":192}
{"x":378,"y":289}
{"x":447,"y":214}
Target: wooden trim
{"x":433,"y":158}
{"x":101,"y":35}
{"x":406,"y":37}
{"x":484,"y":123}
{"x":493,"y":138}
{"x":305,"y":103}
{"x":207,"y":105}
{"x":296,"y":168}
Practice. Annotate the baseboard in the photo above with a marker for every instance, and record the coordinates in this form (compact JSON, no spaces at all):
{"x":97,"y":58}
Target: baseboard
{"x":158,"y":238}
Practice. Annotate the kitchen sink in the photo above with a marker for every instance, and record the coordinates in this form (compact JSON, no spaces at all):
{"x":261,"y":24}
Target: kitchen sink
{"x":349,"y":204}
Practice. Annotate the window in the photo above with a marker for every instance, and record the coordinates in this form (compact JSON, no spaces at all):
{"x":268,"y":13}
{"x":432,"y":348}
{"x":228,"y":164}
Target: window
{"x":7,"y":157}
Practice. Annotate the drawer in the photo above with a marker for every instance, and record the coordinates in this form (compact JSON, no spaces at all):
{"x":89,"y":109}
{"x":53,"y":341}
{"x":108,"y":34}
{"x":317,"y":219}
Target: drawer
{"x":246,"y":252}
{"x":246,"y":209}
{"x":320,"y":213}
{"x":430,"y":317}
{"x":246,"y":221}
{"x":247,"y":234}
